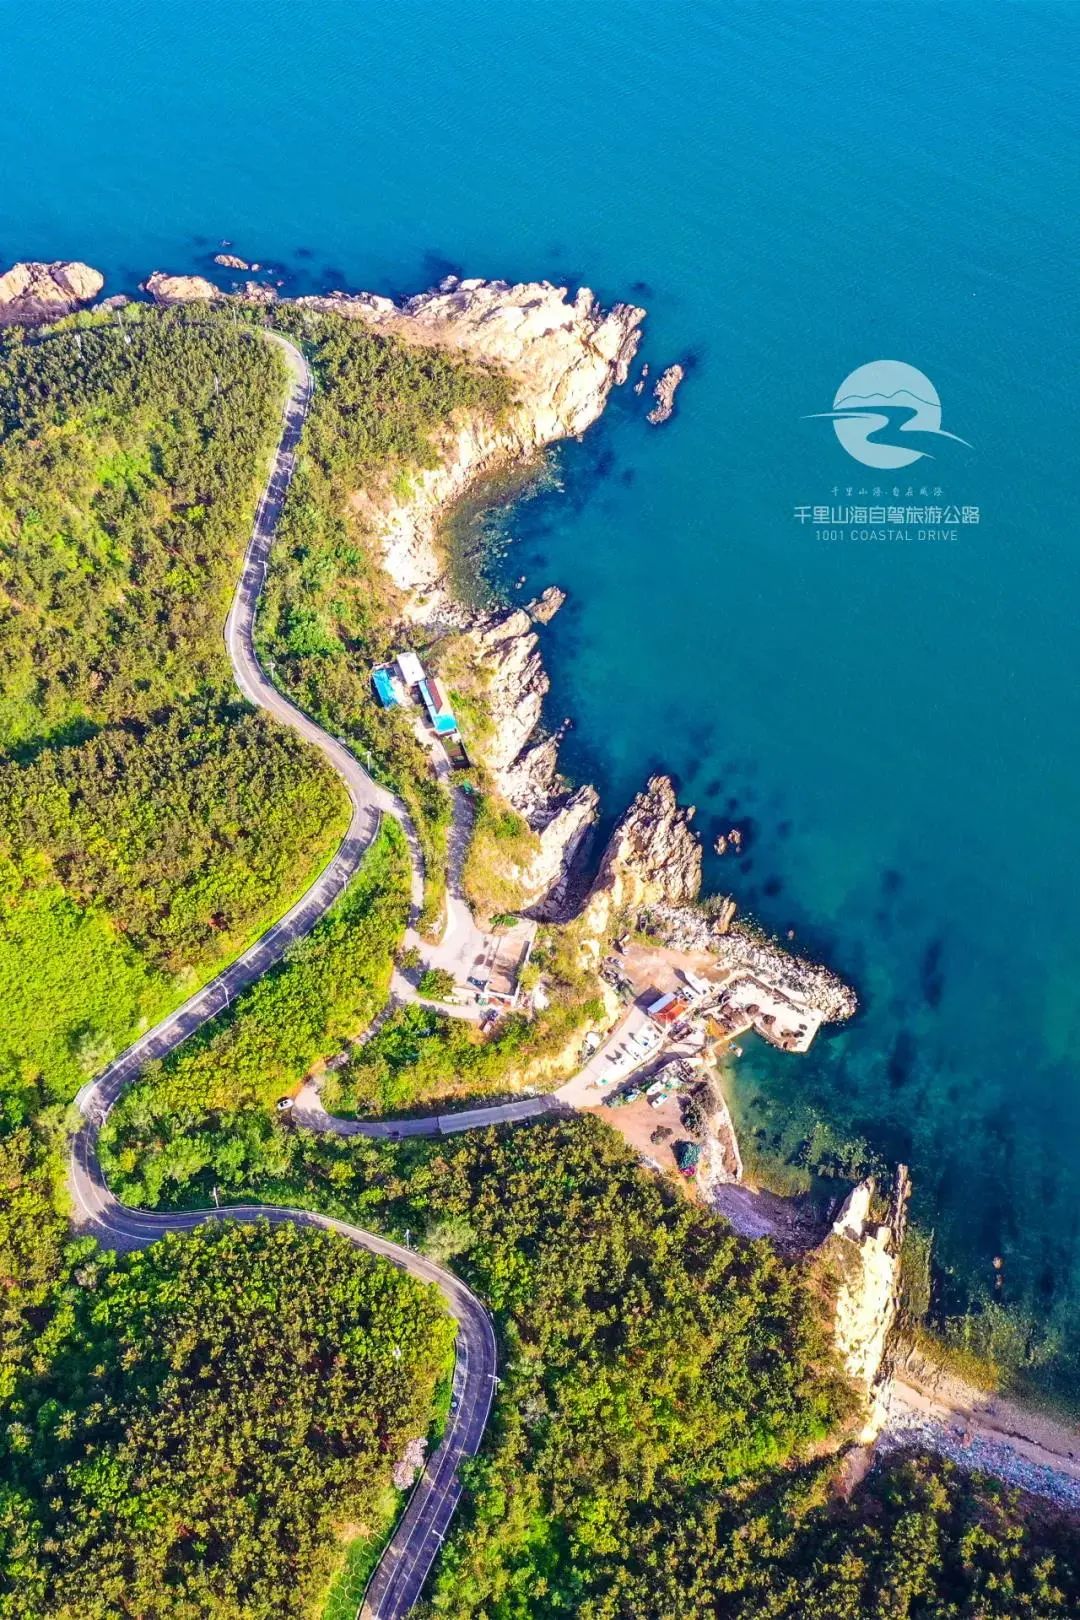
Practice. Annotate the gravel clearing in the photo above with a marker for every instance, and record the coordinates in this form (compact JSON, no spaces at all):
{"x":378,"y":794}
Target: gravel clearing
{"x":907,"y":1430}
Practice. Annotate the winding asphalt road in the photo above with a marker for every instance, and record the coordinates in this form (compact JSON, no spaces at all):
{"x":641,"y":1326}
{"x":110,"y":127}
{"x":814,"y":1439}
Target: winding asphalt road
{"x":401,"y":1572}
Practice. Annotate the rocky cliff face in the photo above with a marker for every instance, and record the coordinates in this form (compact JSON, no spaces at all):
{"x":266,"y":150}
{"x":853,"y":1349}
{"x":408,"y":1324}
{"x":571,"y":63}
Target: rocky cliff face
{"x":32,"y":292}
{"x":505,"y":652}
{"x":563,"y":358}
{"x":653,"y":857}
{"x":862,"y":1260}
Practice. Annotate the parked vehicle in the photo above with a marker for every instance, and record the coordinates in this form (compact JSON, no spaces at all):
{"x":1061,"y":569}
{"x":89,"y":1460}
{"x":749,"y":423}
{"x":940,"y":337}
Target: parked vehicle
{"x":687,"y":1157}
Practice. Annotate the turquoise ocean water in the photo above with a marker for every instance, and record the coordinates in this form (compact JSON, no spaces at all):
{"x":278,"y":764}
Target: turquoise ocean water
{"x":792,"y":190}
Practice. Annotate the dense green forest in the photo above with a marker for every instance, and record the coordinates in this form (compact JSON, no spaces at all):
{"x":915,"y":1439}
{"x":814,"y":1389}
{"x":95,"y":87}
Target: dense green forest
{"x":665,"y":1389}
{"x":150,"y":823}
{"x":202,"y":1420}
{"x":920,"y":1540}
{"x":130,"y":458}
{"x":132,"y":863}
{"x":329,"y":609}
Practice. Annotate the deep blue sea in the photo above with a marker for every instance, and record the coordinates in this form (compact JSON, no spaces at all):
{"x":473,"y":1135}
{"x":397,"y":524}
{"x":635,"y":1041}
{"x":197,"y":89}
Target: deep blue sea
{"x":792,"y":189}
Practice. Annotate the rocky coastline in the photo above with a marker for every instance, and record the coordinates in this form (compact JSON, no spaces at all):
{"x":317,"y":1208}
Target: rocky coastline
{"x":563,"y":356}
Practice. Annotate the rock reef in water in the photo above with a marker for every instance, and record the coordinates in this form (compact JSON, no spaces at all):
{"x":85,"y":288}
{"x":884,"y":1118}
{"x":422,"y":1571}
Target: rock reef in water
{"x":257,"y":292}
{"x":167,"y":289}
{"x":31,"y":292}
{"x":544,"y":607}
{"x":738,"y":948}
{"x":664,"y":394}
{"x":230,"y":261}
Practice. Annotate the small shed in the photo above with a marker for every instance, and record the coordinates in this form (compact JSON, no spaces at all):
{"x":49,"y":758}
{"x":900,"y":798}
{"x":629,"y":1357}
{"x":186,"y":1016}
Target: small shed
{"x":440,"y":714}
{"x":410,"y":668}
{"x":512,"y":950}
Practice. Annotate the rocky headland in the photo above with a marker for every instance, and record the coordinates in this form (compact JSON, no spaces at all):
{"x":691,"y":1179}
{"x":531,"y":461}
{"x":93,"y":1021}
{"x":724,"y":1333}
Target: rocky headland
{"x":523,"y":766}
{"x":650,"y":878}
{"x":563,"y":357}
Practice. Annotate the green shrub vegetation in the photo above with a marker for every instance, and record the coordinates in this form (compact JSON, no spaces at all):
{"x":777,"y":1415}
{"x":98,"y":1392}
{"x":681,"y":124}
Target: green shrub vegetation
{"x":421,"y":1057}
{"x":501,"y":846}
{"x":436,"y":983}
{"x":201,"y":1419}
{"x":34,"y":1240}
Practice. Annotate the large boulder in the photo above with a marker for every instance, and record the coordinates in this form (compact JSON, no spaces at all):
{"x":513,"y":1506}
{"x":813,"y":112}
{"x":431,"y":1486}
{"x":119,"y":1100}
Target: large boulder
{"x":166,"y":289}
{"x":31,"y":292}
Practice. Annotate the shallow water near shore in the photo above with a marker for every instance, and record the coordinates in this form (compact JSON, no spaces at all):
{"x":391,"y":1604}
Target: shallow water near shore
{"x":792,"y":191}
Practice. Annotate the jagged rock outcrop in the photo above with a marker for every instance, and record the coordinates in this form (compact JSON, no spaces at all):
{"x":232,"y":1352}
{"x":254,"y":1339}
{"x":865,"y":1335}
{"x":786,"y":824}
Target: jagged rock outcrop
{"x":32,"y":292}
{"x":505,"y":653}
{"x":529,"y":780}
{"x":409,"y":1464}
{"x":545,"y":606}
{"x":166,"y":289}
{"x":860,"y":1259}
{"x":230,"y":261}
{"x":257,"y":292}
{"x":653,"y":857}
{"x":664,"y":394}
{"x":563,"y":358}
